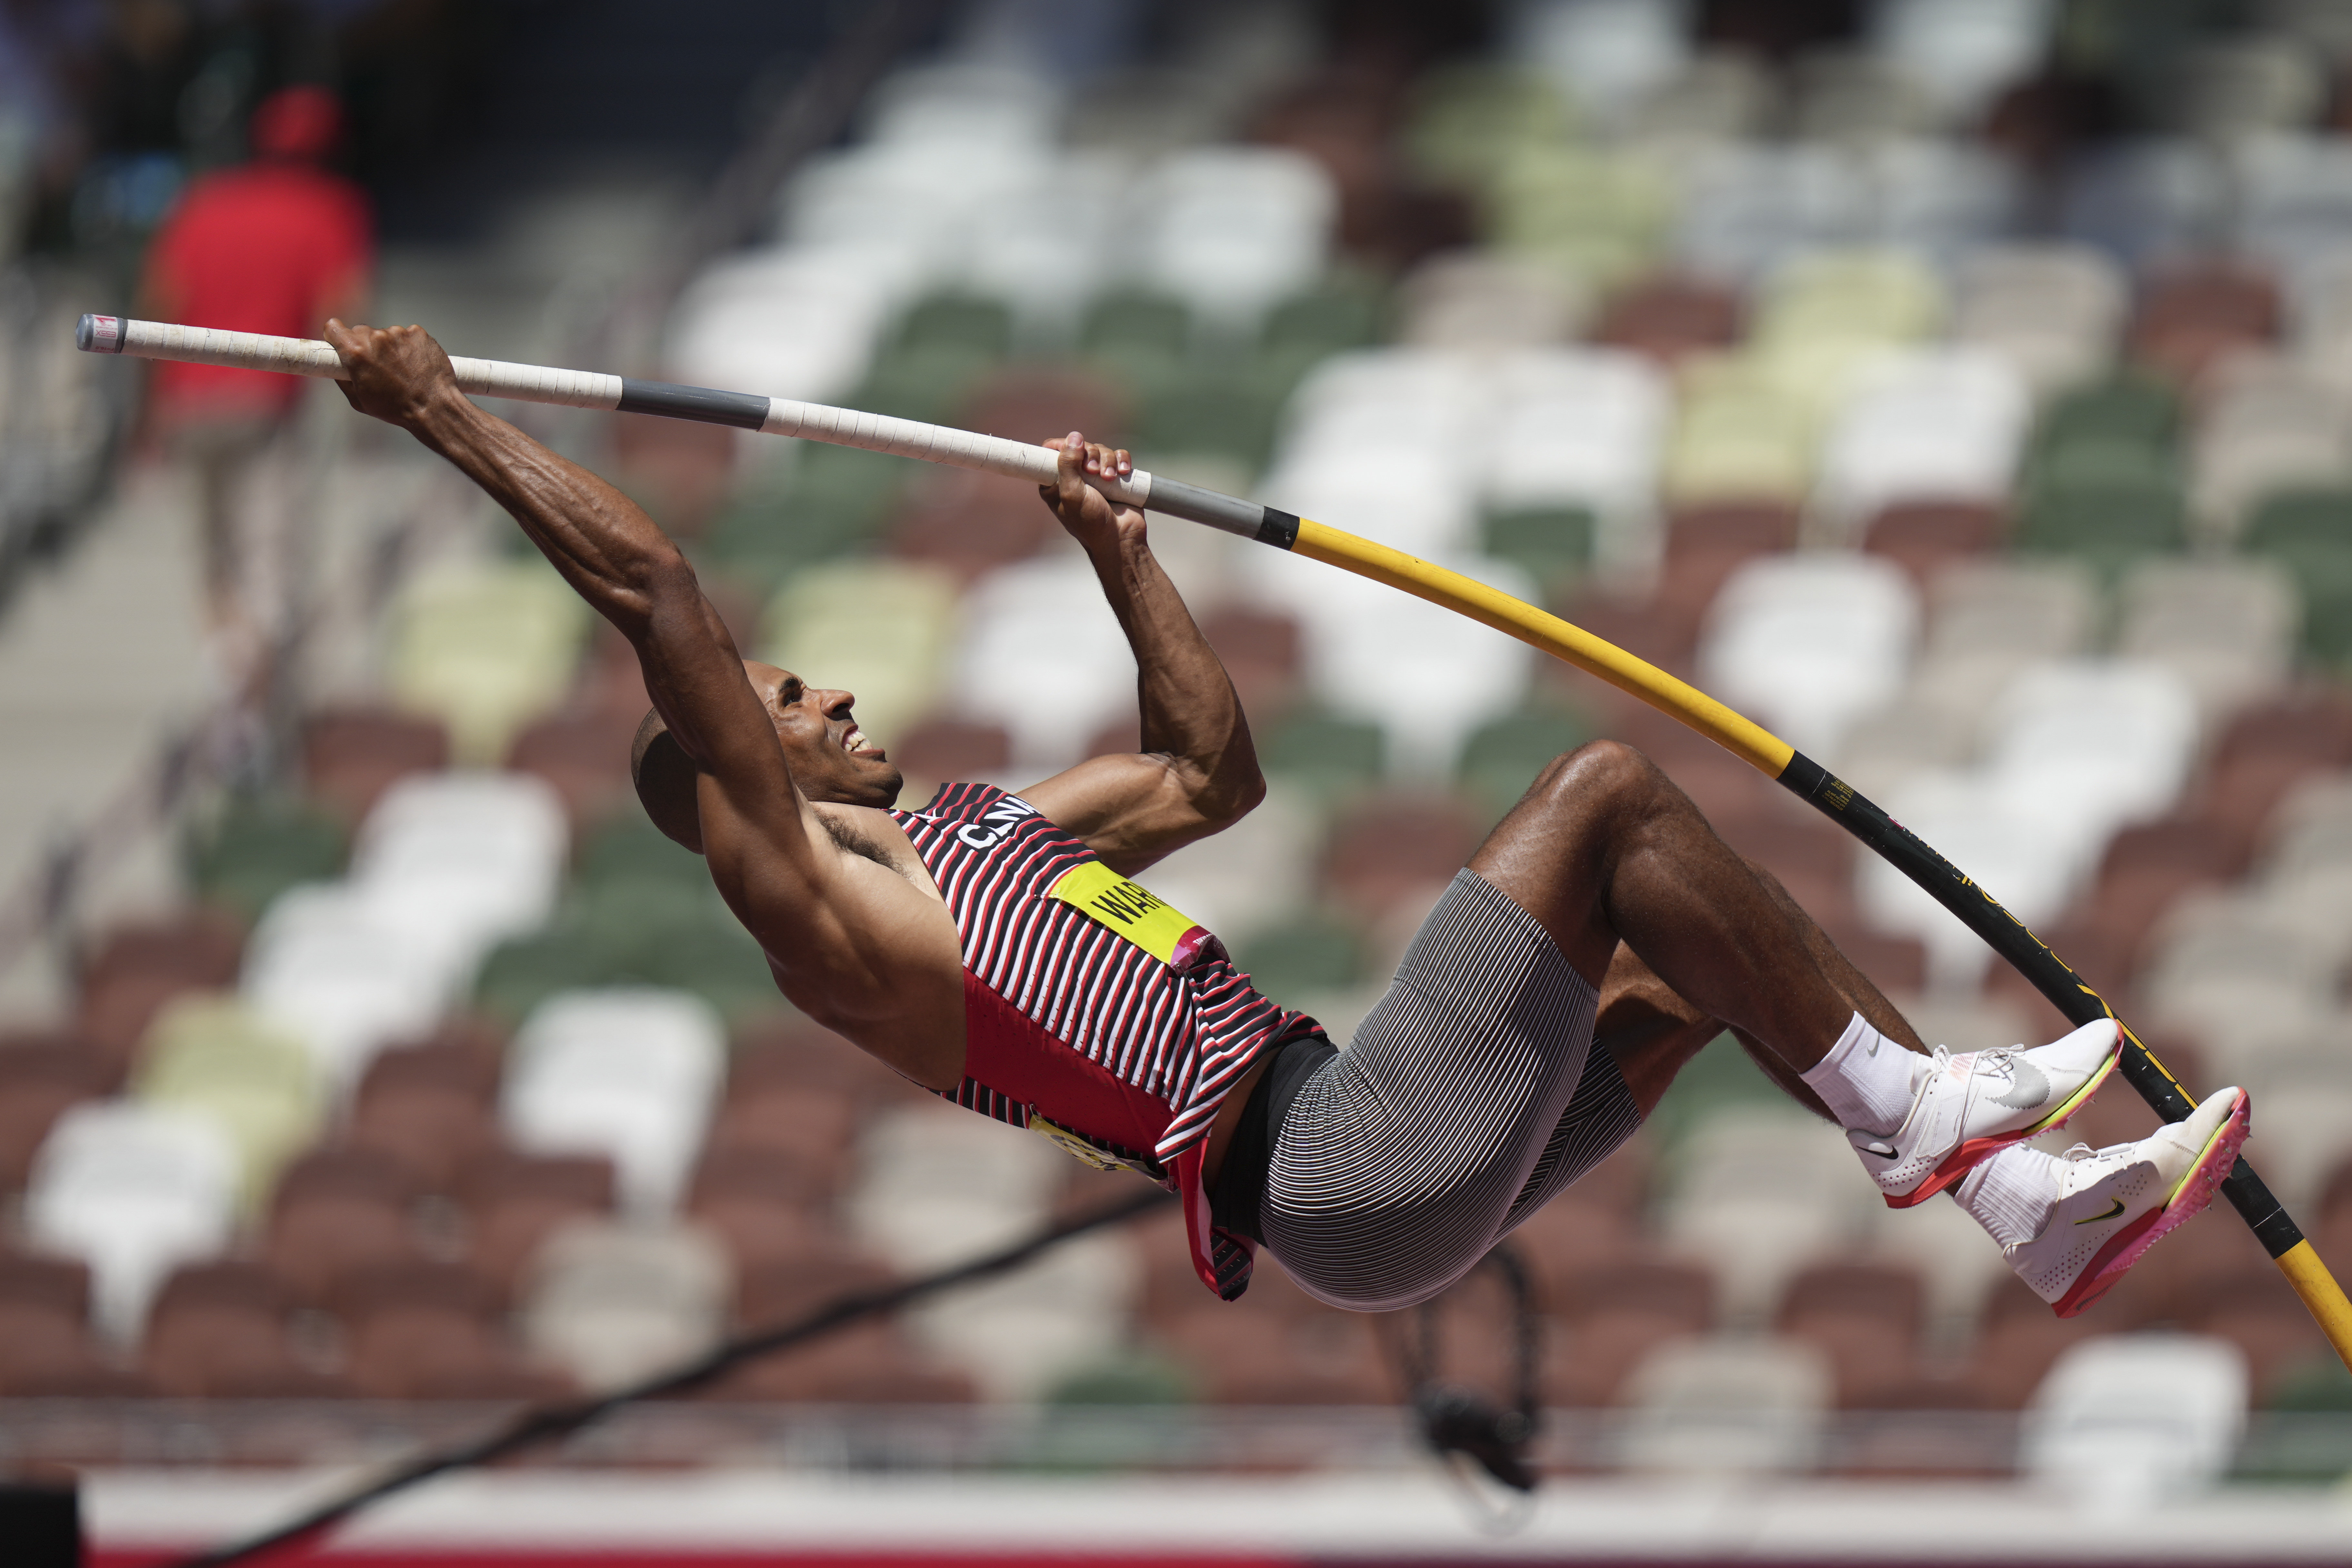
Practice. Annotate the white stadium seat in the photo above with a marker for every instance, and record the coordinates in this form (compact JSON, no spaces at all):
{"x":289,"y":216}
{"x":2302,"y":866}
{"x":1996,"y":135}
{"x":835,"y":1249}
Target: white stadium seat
{"x":2133,"y":1419}
{"x":133,"y":1190}
{"x":630,"y":1073}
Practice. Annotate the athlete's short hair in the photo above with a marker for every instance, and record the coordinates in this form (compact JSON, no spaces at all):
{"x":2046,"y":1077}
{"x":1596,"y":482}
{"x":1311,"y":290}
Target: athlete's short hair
{"x":664,"y":776}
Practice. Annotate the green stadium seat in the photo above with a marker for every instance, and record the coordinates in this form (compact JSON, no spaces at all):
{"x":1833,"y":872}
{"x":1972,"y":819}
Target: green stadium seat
{"x":1720,"y":1078}
{"x":519,"y":975}
{"x":714,"y":957}
{"x":1223,"y":413}
{"x":258,"y":846}
{"x":630,"y":848}
{"x":1343,"y":314}
{"x":2128,"y":411}
{"x":1503,"y":757}
{"x":2288,"y":519}
{"x":2105,"y":505}
{"x":642,"y":911}
{"x":926,"y":382}
{"x":1297,"y":960}
{"x":1553,"y":544}
{"x":1465,"y":120}
{"x":832,"y":503}
{"x":1128,"y":323}
{"x":1328,"y":755}
{"x":628,"y":927}
{"x":969,"y":321}
{"x":1600,"y":217}
{"x":2321,"y":569}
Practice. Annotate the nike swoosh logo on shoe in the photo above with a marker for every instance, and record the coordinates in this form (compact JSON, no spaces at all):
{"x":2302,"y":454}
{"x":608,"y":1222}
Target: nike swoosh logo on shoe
{"x":2029,"y":1086}
{"x":2111,"y":1214}
{"x":1884,"y":1150}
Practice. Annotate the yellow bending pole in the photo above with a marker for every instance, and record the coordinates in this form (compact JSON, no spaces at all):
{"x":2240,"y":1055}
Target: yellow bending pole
{"x":1423,"y":580}
{"x":2321,"y":1295}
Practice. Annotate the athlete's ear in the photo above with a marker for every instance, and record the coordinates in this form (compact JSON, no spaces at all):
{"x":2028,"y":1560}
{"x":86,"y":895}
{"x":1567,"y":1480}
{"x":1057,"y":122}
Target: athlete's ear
{"x":665,"y":777}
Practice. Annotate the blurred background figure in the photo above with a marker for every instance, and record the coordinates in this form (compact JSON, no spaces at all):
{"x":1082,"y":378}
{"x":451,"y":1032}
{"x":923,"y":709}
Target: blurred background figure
{"x":275,"y":245}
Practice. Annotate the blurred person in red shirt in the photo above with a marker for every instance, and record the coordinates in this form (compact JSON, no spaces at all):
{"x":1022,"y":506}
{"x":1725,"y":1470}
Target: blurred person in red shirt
{"x":277,"y":246}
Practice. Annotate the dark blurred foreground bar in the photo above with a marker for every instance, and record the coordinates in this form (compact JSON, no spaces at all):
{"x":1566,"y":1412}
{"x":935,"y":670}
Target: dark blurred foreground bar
{"x":40,"y":1524}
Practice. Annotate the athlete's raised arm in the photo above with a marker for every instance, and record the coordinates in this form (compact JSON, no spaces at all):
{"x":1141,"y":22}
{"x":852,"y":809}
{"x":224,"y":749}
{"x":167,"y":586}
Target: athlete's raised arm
{"x":1197,"y":771}
{"x":628,"y":571}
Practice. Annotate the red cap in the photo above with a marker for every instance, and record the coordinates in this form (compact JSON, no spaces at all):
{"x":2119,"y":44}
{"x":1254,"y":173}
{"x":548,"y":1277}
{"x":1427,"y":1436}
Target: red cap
{"x":296,"y":123}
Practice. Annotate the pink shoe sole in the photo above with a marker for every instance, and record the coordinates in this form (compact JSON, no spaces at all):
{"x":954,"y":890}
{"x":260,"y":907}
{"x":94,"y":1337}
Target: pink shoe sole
{"x":1977,"y":1151}
{"x":2187,"y":1201}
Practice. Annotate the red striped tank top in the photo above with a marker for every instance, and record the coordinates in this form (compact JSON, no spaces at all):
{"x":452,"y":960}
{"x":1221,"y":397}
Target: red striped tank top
{"x":1094,"y":1012}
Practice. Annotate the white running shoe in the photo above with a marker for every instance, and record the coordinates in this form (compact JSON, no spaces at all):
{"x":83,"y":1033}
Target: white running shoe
{"x":2113,"y":1204}
{"x":1972,"y":1106}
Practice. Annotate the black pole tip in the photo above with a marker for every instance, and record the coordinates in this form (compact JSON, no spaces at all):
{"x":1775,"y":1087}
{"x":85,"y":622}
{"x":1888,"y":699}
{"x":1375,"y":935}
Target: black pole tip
{"x":86,"y":332}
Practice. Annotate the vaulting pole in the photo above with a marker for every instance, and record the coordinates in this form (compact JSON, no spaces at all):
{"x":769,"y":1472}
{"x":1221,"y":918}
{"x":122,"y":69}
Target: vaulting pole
{"x":1766,"y":753}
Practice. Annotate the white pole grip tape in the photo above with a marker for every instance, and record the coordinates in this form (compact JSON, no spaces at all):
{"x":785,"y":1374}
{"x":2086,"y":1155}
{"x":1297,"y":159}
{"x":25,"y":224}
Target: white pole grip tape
{"x":309,"y":356}
{"x":588,"y":389}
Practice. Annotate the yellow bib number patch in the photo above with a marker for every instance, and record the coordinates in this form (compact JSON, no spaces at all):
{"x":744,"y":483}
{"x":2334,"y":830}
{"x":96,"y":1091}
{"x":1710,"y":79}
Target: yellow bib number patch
{"x":1131,"y":911}
{"x":1087,"y":1150}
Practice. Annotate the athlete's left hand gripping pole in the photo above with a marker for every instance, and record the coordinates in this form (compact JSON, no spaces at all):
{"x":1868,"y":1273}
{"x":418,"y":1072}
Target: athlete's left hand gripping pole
{"x":1770,"y":756}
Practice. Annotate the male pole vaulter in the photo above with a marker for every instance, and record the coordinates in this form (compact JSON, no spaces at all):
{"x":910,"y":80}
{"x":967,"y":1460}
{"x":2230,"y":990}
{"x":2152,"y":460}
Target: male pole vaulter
{"x":990,"y":947}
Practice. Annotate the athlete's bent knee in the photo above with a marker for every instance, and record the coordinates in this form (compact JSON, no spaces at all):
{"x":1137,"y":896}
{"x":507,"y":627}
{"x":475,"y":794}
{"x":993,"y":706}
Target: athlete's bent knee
{"x":1600,"y":773}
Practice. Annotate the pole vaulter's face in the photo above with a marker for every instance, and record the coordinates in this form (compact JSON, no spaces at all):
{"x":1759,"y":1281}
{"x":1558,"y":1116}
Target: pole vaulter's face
{"x":831,"y":760}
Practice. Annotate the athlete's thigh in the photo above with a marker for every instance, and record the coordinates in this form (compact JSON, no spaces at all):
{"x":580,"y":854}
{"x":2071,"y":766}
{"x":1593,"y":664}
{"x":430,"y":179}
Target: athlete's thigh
{"x":1554,"y":851}
{"x":1400,"y":1159}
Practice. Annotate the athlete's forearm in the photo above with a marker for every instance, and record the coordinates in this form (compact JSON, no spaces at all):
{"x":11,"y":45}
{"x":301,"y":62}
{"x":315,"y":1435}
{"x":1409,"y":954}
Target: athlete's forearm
{"x":602,"y":543}
{"x":1188,"y":705}
{"x":631,"y":573}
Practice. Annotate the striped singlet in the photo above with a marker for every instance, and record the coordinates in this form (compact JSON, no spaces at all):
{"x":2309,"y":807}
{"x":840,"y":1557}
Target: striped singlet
{"x":1094,"y":1013}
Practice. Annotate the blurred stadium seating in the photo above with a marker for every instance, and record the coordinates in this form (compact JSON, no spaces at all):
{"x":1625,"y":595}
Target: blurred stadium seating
{"x":2022,"y":498}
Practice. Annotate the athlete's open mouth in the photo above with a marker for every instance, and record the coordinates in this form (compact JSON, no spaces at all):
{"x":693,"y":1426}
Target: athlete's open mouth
{"x":855,"y":743}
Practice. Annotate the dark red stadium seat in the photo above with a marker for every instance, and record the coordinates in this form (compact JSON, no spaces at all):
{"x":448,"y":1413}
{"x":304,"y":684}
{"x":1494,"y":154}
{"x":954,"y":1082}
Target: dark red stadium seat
{"x":351,"y":756}
{"x":1395,"y":847}
{"x":432,"y":1129}
{"x":47,"y":1352}
{"x":1926,"y":536}
{"x":2253,"y":1307}
{"x":1669,"y":318}
{"x":1865,"y":1318}
{"x":762,"y":1202}
{"x":40,"y":1077}
{"x":1262,"y":650}
{"x":583,"y":755}
{"x":944,"y":748}
{"x":135,"y":969}
{"x":221,"y":1331}
{"x":1707,"y":543}
{"x":1607,"y":1318}
{"x":2018,"y":1338}
{"x":2190,"y":318}
{"x":411,"y":1350}
{"x":514,"y":1202}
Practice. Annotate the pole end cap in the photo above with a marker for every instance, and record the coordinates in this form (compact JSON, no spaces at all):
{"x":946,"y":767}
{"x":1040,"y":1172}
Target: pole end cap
{"x":99,"y":335}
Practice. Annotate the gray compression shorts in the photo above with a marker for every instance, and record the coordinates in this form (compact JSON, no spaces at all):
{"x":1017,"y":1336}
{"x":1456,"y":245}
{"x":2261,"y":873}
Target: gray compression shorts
{"x":1471,"y":1096}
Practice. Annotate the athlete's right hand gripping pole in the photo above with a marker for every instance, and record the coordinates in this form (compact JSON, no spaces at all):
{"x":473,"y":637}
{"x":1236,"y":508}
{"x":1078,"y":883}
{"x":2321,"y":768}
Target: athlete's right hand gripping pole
{"x":1807,"y":779}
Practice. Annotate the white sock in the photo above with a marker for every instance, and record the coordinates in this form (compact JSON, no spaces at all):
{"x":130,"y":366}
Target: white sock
{"x":1867,"y":1081}
{"x":2011,"y":1195}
